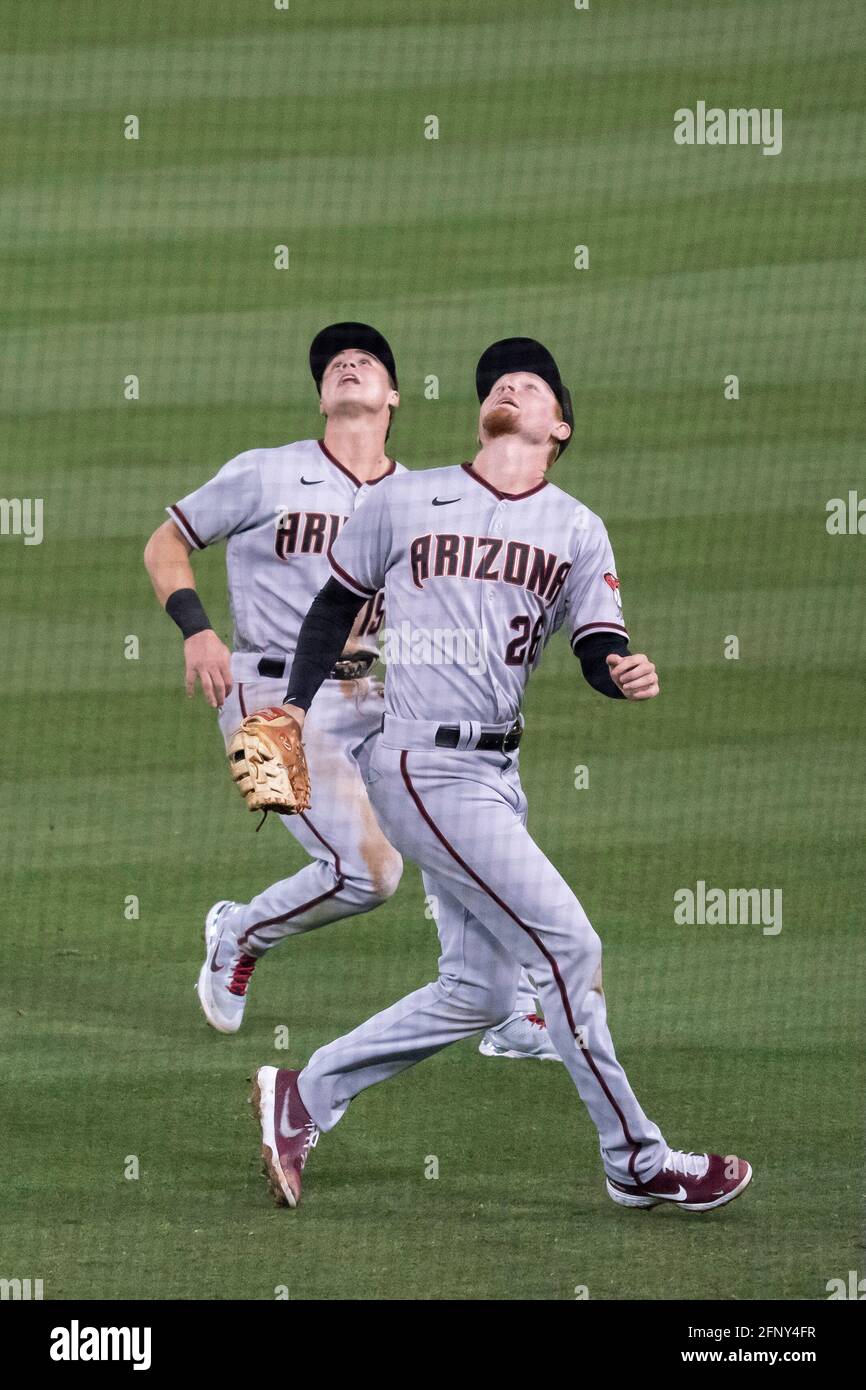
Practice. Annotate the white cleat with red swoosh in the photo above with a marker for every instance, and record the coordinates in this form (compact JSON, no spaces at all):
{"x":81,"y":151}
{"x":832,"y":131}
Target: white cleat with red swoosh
{"x":223,"y":979}
{"x":288,"y":1131}
{"x":692,"y":1182}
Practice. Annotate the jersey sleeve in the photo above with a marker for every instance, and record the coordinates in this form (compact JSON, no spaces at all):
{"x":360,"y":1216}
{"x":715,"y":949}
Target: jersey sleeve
{"x":360,"y":554}
{"x":592,"y":597}
{"x":225,"y":504}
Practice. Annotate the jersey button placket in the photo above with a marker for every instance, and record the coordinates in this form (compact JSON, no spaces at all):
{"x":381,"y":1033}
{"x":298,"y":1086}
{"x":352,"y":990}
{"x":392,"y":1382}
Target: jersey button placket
{"x":496,"y":530}
{"x":488,"y":608}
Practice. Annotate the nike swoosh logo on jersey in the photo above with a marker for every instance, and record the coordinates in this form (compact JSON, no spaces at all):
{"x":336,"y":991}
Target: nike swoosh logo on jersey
{"x":286,"y":1130}
{"x":311,"y":482}
{"x":444,"y":501}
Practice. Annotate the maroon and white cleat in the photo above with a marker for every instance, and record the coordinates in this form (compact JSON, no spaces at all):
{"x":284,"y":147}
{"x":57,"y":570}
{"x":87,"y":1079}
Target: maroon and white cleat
{"x":288,"y":1131}
{"x":693,"y":1182}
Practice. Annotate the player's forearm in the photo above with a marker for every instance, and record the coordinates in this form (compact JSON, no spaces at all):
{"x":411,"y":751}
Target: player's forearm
{"x":321,"y":641}
{"x":592,"y":653}
{"x":166,"y":559}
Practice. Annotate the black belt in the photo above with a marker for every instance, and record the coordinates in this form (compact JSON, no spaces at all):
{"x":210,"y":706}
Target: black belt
{"x":448,"y":736}
{"x":348,"y":669}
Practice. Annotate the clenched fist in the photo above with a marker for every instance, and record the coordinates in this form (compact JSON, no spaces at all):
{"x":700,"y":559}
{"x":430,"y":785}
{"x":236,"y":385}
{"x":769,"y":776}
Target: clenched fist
{"x":209,"y":660}
{"x":635,"y":676}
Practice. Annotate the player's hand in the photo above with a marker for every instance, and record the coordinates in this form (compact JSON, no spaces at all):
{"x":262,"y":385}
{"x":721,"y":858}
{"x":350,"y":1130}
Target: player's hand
{"x":634,"y":675}
{"x":298,"y":714}
{"x":208,"y":660}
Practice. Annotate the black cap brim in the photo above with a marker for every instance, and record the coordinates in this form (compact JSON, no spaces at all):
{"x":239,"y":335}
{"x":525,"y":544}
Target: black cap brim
{"x":523,"y":355}
{"x":339,"y":336}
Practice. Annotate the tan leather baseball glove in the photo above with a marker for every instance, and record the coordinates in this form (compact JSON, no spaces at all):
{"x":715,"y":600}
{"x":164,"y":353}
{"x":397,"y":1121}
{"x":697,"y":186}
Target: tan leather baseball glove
{"x":266,"y":758}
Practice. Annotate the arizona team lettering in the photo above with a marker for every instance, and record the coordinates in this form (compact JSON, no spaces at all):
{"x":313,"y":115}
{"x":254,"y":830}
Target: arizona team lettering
{"x":528,"y":567}
{"x":306,"y":533}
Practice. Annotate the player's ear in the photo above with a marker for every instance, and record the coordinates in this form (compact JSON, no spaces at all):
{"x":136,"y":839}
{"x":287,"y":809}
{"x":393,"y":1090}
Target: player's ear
{"x":561,"y":431}
{"x":393,"y":399}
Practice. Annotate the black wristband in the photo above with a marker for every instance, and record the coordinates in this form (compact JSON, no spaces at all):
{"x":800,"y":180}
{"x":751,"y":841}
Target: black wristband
{"x":185,"y":608}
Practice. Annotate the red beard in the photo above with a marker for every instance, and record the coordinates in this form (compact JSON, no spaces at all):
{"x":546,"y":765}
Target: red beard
{"x":501,"y":420}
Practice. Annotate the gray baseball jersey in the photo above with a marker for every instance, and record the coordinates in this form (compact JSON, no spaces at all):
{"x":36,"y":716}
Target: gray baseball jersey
{"x":280,"y":511}
{"x":476,"y":581}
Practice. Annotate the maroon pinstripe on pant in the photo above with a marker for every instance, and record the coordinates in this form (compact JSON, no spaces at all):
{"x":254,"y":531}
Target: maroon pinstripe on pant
{"x":313,"y":902}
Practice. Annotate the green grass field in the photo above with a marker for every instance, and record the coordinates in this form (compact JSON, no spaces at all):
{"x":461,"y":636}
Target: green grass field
{"x":155,"y":258}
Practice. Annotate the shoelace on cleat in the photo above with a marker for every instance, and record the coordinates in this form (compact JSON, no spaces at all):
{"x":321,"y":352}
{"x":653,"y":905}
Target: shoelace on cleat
{"x":311,"y":1140}
{"x":241,"y":975}
{"x":689,"y":1165}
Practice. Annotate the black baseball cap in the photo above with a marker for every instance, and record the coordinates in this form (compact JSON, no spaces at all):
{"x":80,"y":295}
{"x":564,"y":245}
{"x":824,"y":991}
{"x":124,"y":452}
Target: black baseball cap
{"x":523,"y":355}
{"x":339,"y":336}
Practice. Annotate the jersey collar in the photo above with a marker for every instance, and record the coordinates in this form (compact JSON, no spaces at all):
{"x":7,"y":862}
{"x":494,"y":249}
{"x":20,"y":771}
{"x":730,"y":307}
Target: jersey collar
{"x":503,"y":496}
{"x":349,"y":474}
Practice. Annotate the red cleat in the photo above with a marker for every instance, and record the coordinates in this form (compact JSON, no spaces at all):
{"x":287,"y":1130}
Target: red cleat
{"x":693,"y":1182}
{"x":288,"y":1131}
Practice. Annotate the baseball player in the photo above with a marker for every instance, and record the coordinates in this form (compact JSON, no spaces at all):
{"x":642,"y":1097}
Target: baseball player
{"x":495,"y":550}
{"x":280,"y":511}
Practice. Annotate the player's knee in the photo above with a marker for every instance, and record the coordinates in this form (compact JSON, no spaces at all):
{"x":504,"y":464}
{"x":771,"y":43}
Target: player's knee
{"x":378,"y":882}
{"x":388,"y":875}
{"x":385,"y":876}
{"x":591,"y":954}
{"x":578,"y":955}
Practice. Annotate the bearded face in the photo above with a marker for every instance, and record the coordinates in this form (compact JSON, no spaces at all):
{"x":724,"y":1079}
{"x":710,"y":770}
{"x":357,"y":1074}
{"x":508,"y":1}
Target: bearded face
{"x":501,"y":419}
{"x":520,"y":403}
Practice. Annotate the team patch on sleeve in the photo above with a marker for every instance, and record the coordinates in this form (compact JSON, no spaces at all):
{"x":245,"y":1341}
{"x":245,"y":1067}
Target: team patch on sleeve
{"x":613,"y":583}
